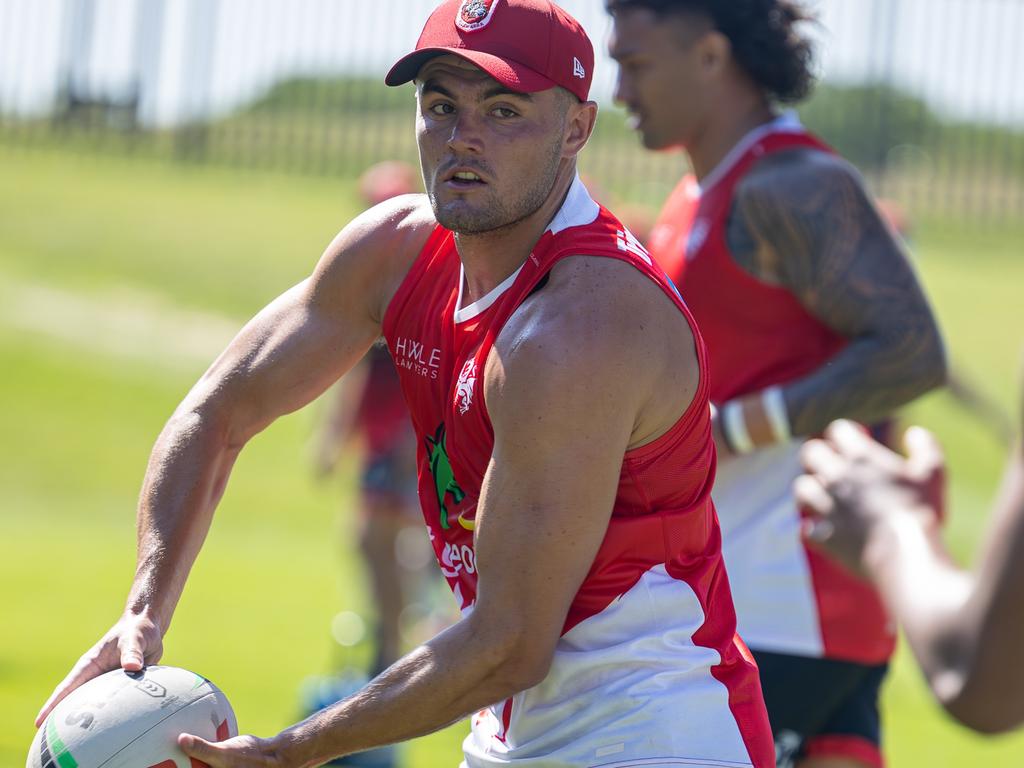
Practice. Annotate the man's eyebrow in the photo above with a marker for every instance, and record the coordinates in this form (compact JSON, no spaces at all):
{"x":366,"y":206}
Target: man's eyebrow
{"x":432,"y":86}
{"x":501,"y":90}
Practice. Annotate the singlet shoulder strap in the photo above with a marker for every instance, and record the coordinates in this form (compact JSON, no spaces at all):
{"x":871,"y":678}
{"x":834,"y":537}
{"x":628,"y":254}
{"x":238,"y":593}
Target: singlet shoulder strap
{"x":437,"y":245}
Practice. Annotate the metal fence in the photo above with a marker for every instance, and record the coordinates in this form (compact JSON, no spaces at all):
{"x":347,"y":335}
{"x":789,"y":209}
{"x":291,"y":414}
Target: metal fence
{"x":926,"y":96}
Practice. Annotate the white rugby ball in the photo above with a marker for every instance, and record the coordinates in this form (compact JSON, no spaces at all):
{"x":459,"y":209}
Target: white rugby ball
{"x":132,"y":720}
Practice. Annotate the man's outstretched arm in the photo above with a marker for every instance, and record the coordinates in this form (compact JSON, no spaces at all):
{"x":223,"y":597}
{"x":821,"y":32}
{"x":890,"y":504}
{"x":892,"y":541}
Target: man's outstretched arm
{"x":282,"y":359}
{"x":879,"y":514}
{"x":564,"y":397}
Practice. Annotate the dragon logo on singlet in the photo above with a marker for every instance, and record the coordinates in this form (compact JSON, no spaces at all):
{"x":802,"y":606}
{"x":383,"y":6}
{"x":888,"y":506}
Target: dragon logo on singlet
{"x":444,"y":476}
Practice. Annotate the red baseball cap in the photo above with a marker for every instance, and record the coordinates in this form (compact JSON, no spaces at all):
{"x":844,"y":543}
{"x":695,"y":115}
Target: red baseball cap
{"x":526,"y":45}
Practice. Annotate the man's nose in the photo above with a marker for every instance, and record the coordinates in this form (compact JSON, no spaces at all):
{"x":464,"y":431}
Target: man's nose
{"x":466,"y":134}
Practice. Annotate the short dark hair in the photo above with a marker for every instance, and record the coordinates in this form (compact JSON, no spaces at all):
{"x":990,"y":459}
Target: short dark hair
{"x":764,"y":38}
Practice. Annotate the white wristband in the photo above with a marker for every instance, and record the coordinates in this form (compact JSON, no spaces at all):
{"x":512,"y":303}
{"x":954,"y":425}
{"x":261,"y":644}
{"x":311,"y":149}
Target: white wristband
{"x":774,"y":405}
{"x":734,"y":426}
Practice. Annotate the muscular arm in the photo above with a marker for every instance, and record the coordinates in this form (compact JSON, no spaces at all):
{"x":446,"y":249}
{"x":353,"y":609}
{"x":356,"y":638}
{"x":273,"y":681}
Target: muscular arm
{"x":286,"y":356}
{"x":986,"y":688}
{"x":966,"y":629}
{"x":568,"y":389}
{"x":803,"y":220}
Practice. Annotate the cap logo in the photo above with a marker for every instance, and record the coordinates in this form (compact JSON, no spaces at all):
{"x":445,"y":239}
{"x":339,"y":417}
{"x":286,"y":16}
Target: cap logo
{"x":578,"y":70}
{"x":475,"y":14}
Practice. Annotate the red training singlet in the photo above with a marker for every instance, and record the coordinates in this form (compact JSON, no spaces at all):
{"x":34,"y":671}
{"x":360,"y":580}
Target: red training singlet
{"x":648,"y":667}
{"x":789,"y":599}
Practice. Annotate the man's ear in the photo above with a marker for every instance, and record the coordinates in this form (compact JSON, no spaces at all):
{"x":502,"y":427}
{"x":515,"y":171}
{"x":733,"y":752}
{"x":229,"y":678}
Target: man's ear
{"x":714,"y":52}
{"x":580,"y":122}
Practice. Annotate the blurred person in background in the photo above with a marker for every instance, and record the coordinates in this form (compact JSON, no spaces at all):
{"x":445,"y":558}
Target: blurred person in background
{"x":811,"y":312}
{"x":559,"y":392}
{"x":880,"y":515}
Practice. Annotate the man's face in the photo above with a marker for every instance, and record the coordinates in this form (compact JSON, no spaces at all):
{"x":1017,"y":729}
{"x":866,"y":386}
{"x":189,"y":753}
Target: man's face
{"x":659,"y":78}
{"x":489,"y":156}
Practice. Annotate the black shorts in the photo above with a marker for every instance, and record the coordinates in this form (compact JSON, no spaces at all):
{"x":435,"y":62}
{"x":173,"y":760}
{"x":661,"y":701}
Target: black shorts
{"x":822,"y":707}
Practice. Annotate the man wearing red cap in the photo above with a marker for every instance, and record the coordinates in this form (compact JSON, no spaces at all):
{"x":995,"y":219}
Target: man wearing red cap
{"x":567,"y":497}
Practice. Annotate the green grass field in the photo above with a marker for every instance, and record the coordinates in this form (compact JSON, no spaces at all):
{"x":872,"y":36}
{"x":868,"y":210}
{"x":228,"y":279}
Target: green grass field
{"x":102,"y":264}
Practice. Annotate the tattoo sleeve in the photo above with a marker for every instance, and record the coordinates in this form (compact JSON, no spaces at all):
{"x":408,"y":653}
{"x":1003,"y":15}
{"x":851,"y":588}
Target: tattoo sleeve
{"x":803,"y":220}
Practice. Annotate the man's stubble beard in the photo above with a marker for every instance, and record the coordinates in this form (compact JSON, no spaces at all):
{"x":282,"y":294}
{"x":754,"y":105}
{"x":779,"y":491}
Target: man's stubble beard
{"x":503,"y":213}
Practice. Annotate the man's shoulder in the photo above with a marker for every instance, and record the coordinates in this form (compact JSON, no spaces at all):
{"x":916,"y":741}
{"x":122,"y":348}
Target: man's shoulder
{"x":601,"y":333}
{"x":596,"y":316}
{"x":797,"y":175}
{"x":594,"y":296}
{"x":375,"y":251}
{"x":405,"y":221}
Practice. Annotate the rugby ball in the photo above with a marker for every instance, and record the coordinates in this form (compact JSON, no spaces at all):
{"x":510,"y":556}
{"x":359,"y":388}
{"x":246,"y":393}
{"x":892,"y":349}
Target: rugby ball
{"x":132,"y":720}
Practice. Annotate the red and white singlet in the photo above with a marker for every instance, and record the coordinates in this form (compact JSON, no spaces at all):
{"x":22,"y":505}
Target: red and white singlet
{"x":649,"y":670}
{"x":789,"y":599}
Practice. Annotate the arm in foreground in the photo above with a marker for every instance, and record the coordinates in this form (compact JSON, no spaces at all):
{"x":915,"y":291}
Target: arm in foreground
{"x":879,"y":514}
{"x":562,"y":402}
{"x":803,"y":220}
{"x":282,"y":359}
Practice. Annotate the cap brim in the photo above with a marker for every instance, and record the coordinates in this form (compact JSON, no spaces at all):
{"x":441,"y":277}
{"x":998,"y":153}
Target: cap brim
{"x":509,"y":73}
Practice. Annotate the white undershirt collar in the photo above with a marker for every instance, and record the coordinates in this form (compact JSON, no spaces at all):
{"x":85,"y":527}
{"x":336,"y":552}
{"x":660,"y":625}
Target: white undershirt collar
{"x":578,"y":209}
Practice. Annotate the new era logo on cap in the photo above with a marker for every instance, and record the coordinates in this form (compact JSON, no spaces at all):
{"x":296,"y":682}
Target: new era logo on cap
{"x":475,"y":14}
{"x":578,"y":69}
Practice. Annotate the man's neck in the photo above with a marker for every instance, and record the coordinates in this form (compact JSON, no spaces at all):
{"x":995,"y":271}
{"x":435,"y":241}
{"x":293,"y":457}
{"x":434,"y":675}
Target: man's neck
{"x":722,"y":133}
{"x":490,"y":257}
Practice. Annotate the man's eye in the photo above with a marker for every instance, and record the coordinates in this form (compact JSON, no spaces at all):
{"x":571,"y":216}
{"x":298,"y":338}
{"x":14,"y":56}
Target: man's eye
{"x":504,"y":112}
{"x":441,"y":108}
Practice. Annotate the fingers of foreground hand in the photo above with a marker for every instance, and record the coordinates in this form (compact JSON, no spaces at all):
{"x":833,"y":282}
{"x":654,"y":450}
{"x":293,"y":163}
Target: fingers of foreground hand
{"x":239,"y":752}
{"x":924,"y":454}
{"x":811,"y":495}
{"x":851,"y":439}
{"x":200,"y":749}
{"x":821,"y":460}
{"x":132,"y":648}
{"x":88,"y":667}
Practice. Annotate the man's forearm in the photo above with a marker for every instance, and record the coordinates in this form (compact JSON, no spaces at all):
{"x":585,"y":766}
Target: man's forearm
{"x":457,"y":673}
{"x":925,"y":592}
{"x":187,"y":472}
{"x":866,"y":381}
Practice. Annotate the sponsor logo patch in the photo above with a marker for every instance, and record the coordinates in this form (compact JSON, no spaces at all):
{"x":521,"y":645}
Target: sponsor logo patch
{"x":474,"y":15}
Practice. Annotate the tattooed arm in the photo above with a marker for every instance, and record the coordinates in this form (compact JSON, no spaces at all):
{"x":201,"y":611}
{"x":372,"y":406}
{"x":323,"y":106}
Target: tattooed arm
{"x":803,"y":220}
